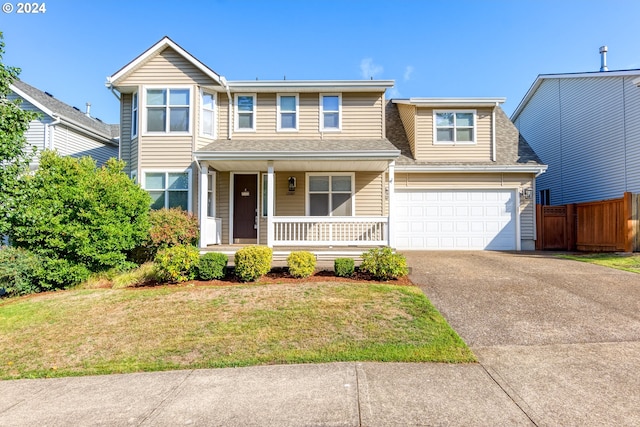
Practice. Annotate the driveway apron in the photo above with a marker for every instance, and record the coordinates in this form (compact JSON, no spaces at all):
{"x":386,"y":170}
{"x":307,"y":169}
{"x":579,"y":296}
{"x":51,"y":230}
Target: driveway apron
{"x":561,"y":337}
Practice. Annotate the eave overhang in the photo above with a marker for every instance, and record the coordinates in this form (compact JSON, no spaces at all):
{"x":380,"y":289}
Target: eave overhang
{"x":451,"y":102}
{"x":310,"y":85}
{"x":537,"y":169}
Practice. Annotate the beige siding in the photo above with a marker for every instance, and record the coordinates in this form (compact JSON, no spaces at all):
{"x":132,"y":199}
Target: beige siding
{"x":408,"y":118}
{"x":290,"y":204}
{"x":427,"y":150}
{"x":369,"y":194}
{"x":222,"y":203}
{"x":478,"y":181}
{"x":165,"y":152}
{"x":361,"y":118}
{"x":166,"y":68}
{"x":127,"y":148}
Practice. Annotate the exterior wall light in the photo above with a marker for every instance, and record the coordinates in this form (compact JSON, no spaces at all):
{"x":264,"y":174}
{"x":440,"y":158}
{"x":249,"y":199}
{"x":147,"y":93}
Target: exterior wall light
{"x":292,"y":183}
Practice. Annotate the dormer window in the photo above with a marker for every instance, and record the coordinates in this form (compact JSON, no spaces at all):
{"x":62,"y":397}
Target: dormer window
{"x":454,"y":127}
{"x":168,"y":110}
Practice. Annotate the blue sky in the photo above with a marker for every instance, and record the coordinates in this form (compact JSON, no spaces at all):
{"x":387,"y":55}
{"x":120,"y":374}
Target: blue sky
{"x":430,"y":48}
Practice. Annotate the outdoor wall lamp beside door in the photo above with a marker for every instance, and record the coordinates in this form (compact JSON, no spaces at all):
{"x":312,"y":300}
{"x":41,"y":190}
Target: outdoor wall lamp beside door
{"x":292,"y":183}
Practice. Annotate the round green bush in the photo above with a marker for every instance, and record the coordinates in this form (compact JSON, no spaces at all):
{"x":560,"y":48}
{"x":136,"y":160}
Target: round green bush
{"x":383,"y":264}
{"x":301,"y":264}
{"x":252,"y":262}
{"x":177,"y":263}
{"x":212,"y":265}
{"x":344,"y":267}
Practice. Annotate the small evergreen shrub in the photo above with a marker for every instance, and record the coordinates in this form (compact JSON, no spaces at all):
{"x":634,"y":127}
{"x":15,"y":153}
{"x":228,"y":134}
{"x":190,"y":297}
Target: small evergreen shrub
{"x":344,"y":267}
{"x":383,"y":264}
{"x":301,"y":264}
{"x":253,"y":262}
{"x":177,"y":263}
{"x":60,"y":273}
{"x":212,"y":265}
{"x":20,"y":271}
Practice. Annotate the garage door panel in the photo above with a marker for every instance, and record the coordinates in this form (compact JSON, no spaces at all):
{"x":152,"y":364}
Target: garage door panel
{"x":474,"y":219}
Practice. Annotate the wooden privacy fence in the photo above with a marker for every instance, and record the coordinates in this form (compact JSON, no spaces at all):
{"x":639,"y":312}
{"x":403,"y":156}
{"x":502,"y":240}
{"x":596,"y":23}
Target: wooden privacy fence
{"x":603,"y":226}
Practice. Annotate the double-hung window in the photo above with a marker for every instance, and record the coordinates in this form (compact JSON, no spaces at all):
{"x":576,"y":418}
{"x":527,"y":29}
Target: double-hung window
{"x":455,"y":127}
{"x":330,"y":195}
{"x":330,"y":112}
{"x":208,"y":115}
{"x":134,"y":115}
{"x":168,"y":189}
{"x":287,"y":112}
{"x":245,"y":113}
{"x":168,"y":110}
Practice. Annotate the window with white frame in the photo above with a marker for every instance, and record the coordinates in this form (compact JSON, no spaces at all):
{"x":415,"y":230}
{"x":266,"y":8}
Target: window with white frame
{"x":168,"y":189}
{"x":245,"y":112}
{"x":211,"y":195}
{"x":330,"y":112}
{"x":453,"y":127}
{"x":134,"y":115}
{"x":330,"y":195}
{"x":287,"y":112}
{"x":168,"y":110}
{"x":208,"y":115}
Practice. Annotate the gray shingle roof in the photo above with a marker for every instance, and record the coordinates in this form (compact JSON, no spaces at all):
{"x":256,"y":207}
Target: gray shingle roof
{"x":111,"y":131}
{"x":511,"y":148}
{"x":327,"y":145}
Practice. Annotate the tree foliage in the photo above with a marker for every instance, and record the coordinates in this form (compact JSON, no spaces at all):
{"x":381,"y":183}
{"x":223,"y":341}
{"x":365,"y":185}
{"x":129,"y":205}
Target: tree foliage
{"x":15,"y":154}
{"x":89,"y":216}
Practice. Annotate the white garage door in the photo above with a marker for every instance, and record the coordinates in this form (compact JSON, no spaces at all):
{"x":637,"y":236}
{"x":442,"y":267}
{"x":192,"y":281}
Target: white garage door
{"x":429,"y":219}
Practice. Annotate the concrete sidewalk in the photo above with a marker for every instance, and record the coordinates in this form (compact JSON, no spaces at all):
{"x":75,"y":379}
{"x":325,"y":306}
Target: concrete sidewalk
{"x":334,"y":394}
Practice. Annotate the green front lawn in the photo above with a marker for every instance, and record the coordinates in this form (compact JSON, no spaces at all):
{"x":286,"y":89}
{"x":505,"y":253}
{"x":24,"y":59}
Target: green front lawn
{"x":621,"y":262}
{"x":100,"y":331}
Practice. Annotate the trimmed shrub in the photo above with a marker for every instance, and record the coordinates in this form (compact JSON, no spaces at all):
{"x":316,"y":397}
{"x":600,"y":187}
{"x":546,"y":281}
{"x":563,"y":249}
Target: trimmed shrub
{"x":20,"y":271}
{"x":177,"y":263}
{"x":383,"y":264}
{"x":253,"y":262}
{"x":301,"y":264}
{"x":212,"y":265}
{"x":344,"y":267}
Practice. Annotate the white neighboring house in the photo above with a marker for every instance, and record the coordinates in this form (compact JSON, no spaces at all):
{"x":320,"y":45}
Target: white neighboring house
{"x":64,"y":128}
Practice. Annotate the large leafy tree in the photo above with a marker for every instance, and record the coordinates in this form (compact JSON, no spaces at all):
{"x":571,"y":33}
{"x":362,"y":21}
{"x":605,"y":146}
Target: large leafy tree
{"x":15,"y":153}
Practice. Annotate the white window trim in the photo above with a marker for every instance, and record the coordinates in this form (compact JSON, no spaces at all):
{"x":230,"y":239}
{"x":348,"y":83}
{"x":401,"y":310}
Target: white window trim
{"x":212,"y":189}
{"x":143,"y":122}
{"x":237,"y":113}
{"x":322,"y":128}
{"x":279,"y":113}
{"x":215,"y":114}
{"x":188,"y":171}
{"x":475,"y":128}
{"x":352,"y":175}
{"x":135,"y":112}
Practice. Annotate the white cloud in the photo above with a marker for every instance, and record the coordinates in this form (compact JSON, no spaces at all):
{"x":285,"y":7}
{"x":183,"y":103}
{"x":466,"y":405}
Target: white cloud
{"x":368,"y":69}
{"x":407,"y":72}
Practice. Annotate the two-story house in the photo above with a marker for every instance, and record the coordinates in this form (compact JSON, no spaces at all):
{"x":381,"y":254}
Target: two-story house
{"x":586,"y":127}
{"x":64,"y":128}
{"x":323,"y":162}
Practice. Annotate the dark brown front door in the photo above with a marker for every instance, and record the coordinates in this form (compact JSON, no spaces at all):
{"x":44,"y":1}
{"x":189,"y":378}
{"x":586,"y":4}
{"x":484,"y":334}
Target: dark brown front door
{"x":245,"y":203}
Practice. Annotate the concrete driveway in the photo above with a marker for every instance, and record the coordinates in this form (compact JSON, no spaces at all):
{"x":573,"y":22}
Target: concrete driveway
{"x":562,"y":338}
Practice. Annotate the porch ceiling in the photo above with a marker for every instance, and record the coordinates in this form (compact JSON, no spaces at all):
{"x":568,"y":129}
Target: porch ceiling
{"x":299,"y":165}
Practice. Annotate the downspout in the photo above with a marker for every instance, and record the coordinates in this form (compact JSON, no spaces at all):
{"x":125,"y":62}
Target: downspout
{"x":493,"y":134}
{"x":50,"y":132}
{"x":230,"y":108}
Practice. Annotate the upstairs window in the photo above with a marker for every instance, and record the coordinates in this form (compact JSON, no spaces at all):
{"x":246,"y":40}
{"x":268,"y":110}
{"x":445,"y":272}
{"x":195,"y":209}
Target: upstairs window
{"x":245,"y":113}
{"x":455,"y":127}
{"x":134,"y":115}
{"x":330,"y":113}
{"x":287,"y":112}
{"x":168,"y":110}
{"x":208,"y":115}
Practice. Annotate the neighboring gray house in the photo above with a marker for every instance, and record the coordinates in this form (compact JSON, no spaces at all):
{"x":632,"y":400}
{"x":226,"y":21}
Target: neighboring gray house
{"x":65,"y":129}
{"x":586,"y":127}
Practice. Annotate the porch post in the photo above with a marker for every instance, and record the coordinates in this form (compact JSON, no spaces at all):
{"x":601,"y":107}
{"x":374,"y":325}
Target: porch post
{"x":391,"y":196}
{"x":202,"y":203}
{"x":270,"y":203}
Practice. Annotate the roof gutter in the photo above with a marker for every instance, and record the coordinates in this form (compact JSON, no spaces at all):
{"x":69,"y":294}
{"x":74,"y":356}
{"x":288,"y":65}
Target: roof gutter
{"x":538,"y":169}
{"x":301,"y":155}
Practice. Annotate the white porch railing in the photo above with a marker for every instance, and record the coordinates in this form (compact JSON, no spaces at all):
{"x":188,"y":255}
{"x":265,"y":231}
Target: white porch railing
{"x":329,"y":231}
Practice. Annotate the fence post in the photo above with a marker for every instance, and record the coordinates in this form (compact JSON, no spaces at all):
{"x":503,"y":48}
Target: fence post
{"x":627,"y":222}
{"x":571,"y":227}
{"x":539,"y":228}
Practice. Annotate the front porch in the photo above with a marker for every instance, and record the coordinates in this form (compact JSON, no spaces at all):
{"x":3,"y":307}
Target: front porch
{"x":334,"y":200}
